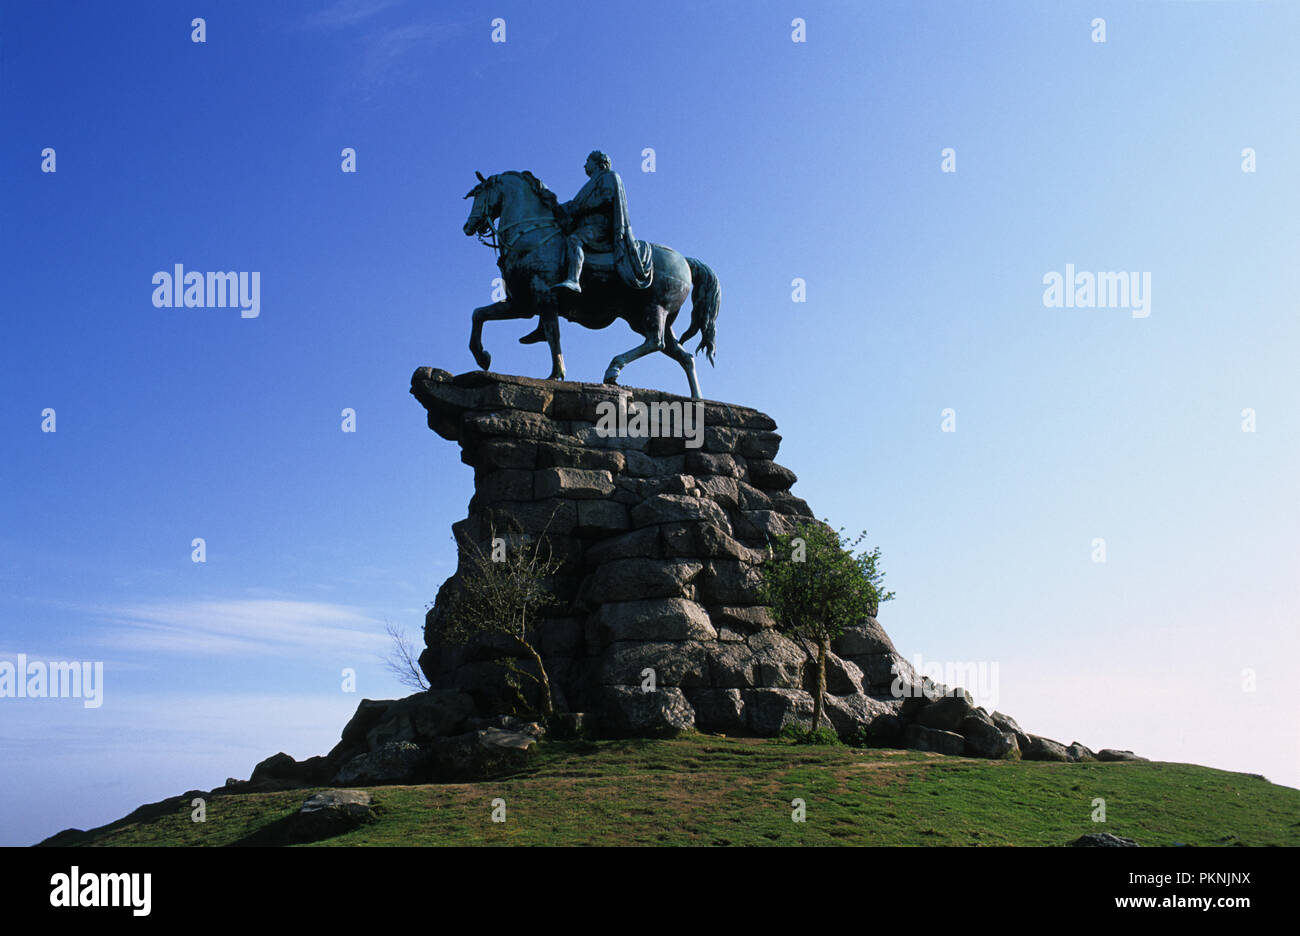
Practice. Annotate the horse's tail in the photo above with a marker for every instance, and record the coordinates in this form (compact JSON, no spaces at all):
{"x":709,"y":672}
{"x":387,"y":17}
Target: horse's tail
{"x":706,"y":296}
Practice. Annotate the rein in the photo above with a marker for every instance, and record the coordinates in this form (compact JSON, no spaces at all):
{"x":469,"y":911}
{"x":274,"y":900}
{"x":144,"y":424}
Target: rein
{"x":502,"y":246}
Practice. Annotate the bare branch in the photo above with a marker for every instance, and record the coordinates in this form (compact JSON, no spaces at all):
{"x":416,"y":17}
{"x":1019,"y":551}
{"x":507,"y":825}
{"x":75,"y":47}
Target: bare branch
{"x":403,"y":660}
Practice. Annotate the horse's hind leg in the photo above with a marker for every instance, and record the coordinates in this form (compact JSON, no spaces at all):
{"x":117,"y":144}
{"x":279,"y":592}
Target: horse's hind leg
{"x":495,"y":312}
{"x":654,"y":342}
{"x":674,"y":349}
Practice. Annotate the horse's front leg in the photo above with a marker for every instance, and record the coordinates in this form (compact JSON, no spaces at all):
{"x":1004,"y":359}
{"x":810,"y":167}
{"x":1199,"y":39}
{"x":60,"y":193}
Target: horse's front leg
{"x":551,"y":327}
{"x":495,"y":312}
{"x":548,"y":311}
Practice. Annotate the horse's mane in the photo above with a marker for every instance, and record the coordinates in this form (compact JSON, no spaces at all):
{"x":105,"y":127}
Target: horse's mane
{"x":539,"y":189}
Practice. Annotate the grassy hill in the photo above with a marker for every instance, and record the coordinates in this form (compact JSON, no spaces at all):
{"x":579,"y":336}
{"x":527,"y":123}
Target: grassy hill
{"x":703,"y":790}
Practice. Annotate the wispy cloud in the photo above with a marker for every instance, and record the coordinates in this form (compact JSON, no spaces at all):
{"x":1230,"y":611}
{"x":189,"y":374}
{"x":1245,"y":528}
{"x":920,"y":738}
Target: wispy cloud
{"x":381,"y":48}
{"x":344,"y":13}
{"x":384,"y":49}
{"x":241,"y":627}
{"x":378,"y":47}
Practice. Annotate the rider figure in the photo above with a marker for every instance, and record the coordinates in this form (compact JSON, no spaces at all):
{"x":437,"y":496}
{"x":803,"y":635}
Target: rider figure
{"x":597,"y":221}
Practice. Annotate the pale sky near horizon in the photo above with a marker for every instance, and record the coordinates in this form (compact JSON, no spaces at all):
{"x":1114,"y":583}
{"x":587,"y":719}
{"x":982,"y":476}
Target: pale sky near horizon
{"x":774,"y":160}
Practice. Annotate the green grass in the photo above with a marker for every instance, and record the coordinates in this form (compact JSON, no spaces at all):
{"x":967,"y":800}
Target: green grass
{"x":703,"y":790}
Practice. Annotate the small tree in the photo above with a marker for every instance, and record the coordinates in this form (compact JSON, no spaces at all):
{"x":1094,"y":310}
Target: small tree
{"x":503,"y":591}
{"x":403,"y":660}
{"x":815,"y":585}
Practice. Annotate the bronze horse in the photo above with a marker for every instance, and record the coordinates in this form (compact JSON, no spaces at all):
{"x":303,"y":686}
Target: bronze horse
{"x":531,"y":254}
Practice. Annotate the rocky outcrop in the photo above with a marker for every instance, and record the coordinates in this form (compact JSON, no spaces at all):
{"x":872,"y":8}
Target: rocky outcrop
{"x":659,"y":510}
{"x":661,"y":529}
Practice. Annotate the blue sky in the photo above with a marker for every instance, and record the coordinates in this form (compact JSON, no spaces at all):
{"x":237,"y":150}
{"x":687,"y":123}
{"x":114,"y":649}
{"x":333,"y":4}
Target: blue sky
{"x":774,"y":160}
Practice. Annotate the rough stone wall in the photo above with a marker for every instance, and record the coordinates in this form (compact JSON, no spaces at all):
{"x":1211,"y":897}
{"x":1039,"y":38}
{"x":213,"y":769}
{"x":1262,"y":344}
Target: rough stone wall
{"x":660,"y":541}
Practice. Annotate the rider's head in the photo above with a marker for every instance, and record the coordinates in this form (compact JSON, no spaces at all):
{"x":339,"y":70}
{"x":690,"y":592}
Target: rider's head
{"x":597,"y":161}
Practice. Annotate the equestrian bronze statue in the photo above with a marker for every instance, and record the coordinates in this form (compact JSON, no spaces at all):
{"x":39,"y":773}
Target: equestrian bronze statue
{"x":580,"y":261}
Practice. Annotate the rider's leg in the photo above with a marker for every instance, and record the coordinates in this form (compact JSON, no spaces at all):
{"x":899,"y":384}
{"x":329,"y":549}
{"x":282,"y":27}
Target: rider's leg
{"x":575,"y":259}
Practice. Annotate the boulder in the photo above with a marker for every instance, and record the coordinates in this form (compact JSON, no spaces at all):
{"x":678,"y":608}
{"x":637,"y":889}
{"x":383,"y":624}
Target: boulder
{"x":769,"y":476}
{"x":706,"y":463}
{"x":985,"y":739}
{"x":886,"y":674}
{"x":1006,"y":723}
{"x":422,"y":717}
{"x":861,"y":639}
{"x":946,"y":713}
{"x":706,"y":541}
{"x":1110,"y":754}
{"x":602,"y":515}
{"x":779,"y":662}
{"x":794,"y":507}
{"x":638,"y":544}
{"x":733,"y":665}
{"x":850,"y":715}
{"x":393,"y":762}
{"x":763,"y":524}
{"x":505,"y":453}
{"x":332,"y":812}
{"x":637,"y":579}
{"x":669,"y":619}
{"x":367,"y":715}
{"x":481,"y":754}
{"x":512,"y":424}
{"x":747,"y":619}
{"x":681,"y":664}
{"x":721,"y":711}
{"x":675,"y":508}
{"x":769,"y":710}
{"x":721,"y":489}
{"x":572,"y":482}
{"x":751,"y":445}
{"x":282,"y":767}
{"x":1045,"y":749}
{"x":627,"y":711}
{"x":507,"y":484}
{"x":555,"y":455}
{"x":729,"y":582}
{"x":842,"y":676}
{"x":886,"y":731}
{"x":919,"y":738}
{"x":278,"y":767}
{"x":1078,"y":753}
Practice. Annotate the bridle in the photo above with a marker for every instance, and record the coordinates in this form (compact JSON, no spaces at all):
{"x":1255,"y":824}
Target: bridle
{"x":497,"y":239}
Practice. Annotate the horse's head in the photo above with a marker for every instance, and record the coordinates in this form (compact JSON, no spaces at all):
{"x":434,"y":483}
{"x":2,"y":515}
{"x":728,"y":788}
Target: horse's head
{"x":487,"y":205}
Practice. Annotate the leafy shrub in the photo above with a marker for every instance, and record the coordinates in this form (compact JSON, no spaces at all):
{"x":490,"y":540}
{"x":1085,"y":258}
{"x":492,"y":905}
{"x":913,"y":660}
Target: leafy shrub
{"x":801,"y":734}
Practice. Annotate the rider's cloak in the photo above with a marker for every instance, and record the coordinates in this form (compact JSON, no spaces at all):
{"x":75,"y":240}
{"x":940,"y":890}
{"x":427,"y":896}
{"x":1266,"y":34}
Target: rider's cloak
{"x":604,"y":193}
